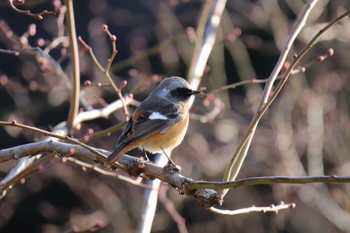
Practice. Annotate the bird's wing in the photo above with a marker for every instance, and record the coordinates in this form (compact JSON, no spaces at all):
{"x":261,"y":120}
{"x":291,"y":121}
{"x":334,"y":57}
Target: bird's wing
{"x":150,"y":122}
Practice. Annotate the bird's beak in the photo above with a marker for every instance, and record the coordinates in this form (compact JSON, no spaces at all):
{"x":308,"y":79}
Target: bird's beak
{"x":195,"y":92}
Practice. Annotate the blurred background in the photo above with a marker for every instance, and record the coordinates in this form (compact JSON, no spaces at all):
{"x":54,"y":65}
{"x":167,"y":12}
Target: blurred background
{"x":305,"y":132}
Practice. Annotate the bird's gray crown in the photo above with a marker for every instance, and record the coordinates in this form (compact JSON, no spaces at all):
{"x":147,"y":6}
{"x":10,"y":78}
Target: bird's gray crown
{"x":170,"y":84}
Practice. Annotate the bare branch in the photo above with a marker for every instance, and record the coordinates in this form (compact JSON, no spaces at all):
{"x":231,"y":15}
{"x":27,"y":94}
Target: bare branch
{"x":74,"y":103}
{"x":300,"y":69}
{"x":38,"y":16}
{"x":265,"y":209}
{"x":104,"y":112}
{"x":203,"y":191}
{"x":264,"y":180}
{"x":106,"y":70}
{"x":50,"y":134}
{"x":241,"y":151}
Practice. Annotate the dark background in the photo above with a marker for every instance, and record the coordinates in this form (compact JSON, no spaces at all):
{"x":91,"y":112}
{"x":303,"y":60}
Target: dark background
{"x":306,"y":131}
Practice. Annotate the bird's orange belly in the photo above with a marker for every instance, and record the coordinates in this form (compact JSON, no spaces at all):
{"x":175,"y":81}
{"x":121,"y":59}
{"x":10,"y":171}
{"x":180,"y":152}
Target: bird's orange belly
{"x":166,"y":140}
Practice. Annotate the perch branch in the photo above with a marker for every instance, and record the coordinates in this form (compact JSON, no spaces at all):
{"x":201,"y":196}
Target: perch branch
{"x":205,"y":192}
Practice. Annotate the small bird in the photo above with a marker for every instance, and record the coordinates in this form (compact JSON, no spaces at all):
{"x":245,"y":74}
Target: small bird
{"x":159,"y":123}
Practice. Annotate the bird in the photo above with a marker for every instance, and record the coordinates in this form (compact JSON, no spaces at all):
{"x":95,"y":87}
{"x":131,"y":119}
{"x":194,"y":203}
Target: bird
{"x":159,"y":123}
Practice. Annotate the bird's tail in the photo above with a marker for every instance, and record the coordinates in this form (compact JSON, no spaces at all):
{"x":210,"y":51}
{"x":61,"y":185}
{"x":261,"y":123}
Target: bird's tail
{"x":115,"y":155}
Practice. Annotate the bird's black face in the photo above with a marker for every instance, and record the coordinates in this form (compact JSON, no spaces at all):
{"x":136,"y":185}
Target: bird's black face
{"x":182,"y":93}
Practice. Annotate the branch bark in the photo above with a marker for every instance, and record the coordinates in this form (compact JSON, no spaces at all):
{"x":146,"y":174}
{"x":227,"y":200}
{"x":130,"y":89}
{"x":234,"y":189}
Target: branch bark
{"x":205,"y":192}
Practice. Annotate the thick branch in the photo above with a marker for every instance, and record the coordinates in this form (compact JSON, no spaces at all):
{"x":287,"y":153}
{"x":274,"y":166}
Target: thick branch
{"x":133,"y":166}
{"x":203,"y":191}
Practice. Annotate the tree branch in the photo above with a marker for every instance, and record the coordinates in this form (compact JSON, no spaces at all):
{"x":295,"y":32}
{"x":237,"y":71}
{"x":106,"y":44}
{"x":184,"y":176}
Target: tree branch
{"x":74,"y":103}
{"x":38,"y":16}
{"x":205,"y":192}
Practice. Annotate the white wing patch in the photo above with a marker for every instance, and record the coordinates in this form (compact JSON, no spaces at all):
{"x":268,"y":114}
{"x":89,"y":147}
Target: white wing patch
{"x":157,"y":116}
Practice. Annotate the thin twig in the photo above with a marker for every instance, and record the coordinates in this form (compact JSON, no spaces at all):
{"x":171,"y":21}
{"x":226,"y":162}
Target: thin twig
{"x":265,"y":180}
{"x":38,"y":16}
{"x":264,"y":209}
{"x":105,"y":70}
{"x":170,"y":207}
{"x":8,"y":51}
{"x":279,"y":87}
{"x":242,"y":150}
{"x":103,"y":112}
{"x":94,"y":167}
{"x":300,"y":69}
{"x":74,"y":102}
{"x":50,"y":134}
{"x":106,"y":132}
{"x":34,"y":166}
{"x":56,"y":42}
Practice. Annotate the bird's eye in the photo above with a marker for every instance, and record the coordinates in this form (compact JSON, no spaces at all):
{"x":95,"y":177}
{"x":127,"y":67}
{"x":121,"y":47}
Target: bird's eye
{"x":180,"y":90}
